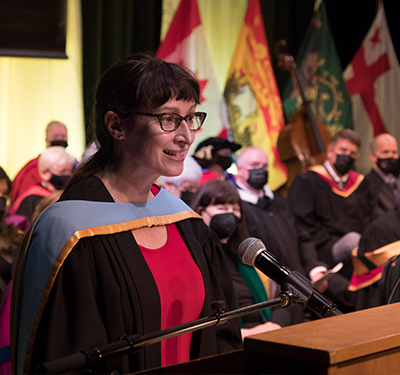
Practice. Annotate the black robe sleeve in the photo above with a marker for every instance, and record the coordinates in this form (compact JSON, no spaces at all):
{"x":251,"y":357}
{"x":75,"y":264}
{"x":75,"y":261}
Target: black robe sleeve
{"x":105,"y":289}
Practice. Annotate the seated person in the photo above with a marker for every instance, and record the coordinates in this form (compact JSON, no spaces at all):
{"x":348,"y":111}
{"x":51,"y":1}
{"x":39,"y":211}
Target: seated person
{"x":379,"y":242}
{"x":186,"y":184}
{"x":214,"y":155}
{"x":270,"y":219}
{"x":219,"y":203}
{"x":334,"y":204}
{"x":55,"y":168}
{"x":385,"y":158}
{"x":56,"y":135}
{"x":17,"y":221}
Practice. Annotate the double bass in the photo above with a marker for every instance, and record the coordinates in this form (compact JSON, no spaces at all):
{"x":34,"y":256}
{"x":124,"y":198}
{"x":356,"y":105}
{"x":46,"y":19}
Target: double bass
{"x":302,"y":142}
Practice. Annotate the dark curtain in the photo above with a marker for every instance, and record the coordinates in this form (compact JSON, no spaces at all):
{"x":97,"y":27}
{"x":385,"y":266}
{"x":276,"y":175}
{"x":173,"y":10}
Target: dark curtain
{"x":113,"y":29}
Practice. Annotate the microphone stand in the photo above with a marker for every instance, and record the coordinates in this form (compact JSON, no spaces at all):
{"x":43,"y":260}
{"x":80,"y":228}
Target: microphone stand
{"x":134,"y":343}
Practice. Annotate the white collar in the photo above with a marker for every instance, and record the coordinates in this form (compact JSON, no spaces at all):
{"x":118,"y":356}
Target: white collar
{"x":250,"y":196}
{"x":387,"y":180}
{"x":334,"y":175}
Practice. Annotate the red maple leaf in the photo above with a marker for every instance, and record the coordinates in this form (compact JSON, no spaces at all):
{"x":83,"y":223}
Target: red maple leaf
{"x":375,"y":38}
{"x":202,"y":83}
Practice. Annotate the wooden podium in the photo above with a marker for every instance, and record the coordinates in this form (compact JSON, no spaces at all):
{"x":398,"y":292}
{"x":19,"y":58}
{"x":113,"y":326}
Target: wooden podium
{"x":363,"y":342}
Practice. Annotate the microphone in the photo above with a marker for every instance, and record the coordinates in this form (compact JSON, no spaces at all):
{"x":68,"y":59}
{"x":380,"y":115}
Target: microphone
{"x":253,"y":252}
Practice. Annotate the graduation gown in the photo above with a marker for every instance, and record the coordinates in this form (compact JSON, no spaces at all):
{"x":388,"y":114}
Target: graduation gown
{"x":379,"y":242}
{"x":327,"y":212}
{"x":100,"y":287}
{"x":386,"y":197}
{"x":273,"y":223}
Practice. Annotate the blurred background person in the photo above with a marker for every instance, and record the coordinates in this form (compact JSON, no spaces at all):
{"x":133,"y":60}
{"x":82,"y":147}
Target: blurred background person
{"x":18,"y":221}
{"x":186,"y":184}
{"x":55,"y":168}
{"x":385,"y":163}
{"x":219,"y":203}
{"x":56,"y":134}
{"x":214,"y":155}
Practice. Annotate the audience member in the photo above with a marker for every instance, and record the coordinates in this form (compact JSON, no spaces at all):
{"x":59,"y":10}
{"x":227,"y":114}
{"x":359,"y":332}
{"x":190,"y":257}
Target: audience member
{"x":379,"y":242}
{"x":385,"y":159}
{"x":334,"y":204}
{"x":269,"y":218}
{"x":18,"y":221}
{"x":135,"y":258}
{"x":219,"y":203}
{"x":268,"y":215}
{"x":55,"y":168}
{"x":186,"y":184}
{"x":56,"y":135}
{"x":10,"y":241}
{"x":214,"y":155}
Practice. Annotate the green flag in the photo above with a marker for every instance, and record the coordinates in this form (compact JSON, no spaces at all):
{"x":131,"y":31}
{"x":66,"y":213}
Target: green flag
{"x":320,"y":72}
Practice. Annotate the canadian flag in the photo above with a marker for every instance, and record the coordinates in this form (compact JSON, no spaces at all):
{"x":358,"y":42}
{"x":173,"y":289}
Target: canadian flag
{"x":185,"y":44}
{"x":373,"y":80}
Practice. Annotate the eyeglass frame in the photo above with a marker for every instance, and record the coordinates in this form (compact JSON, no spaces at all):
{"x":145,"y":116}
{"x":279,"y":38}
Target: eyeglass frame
{"x":159,"y":116}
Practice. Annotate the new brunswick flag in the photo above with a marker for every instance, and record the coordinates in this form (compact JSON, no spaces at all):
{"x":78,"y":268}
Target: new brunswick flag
{"x":185,"y":44}
{"x":320,"y":72}
{"x":251,"y":93}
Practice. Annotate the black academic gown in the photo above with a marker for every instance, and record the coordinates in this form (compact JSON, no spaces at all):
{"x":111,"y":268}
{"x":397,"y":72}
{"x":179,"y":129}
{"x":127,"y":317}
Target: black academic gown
{"x":114,"y":293}
{"x":273,"y":223}
{"x":386,"y":197}
{"x":381,"y":232}
{"x":326,"y":215}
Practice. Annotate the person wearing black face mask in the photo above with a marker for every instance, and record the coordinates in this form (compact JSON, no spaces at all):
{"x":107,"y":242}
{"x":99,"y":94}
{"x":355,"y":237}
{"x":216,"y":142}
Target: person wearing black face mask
{"x":55,"y":168}
{"x":186,"y":184}
{"x":269,"y":218}
{"x":333,"y":203}
{"x":219,"y":203}
{"x":56,"y":134}
{"x":214,"y":155}
{"x":384,"y":173}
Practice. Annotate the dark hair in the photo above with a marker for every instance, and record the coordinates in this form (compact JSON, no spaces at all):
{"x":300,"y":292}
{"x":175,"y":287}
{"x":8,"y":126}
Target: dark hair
{"x":140,"y":82}
{"x":4,"y":176}
{"x":349,"y":134}
{"x":215,"y":192}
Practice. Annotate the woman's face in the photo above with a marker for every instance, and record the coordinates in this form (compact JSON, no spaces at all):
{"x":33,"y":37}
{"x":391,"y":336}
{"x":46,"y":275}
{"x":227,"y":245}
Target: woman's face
{"x":154,"y":151}
{"x":216,"y":209}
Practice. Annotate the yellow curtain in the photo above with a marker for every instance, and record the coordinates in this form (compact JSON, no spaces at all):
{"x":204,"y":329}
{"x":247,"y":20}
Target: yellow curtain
{"x":222,"y":20}
{"x":35,"y":91}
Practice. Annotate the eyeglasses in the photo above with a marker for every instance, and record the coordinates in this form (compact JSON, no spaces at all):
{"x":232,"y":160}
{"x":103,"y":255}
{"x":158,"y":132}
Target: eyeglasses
{"x":169,"y":122}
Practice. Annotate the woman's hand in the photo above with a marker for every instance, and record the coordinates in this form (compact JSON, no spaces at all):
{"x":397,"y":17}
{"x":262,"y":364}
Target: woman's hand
{"x":269,"y":326}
